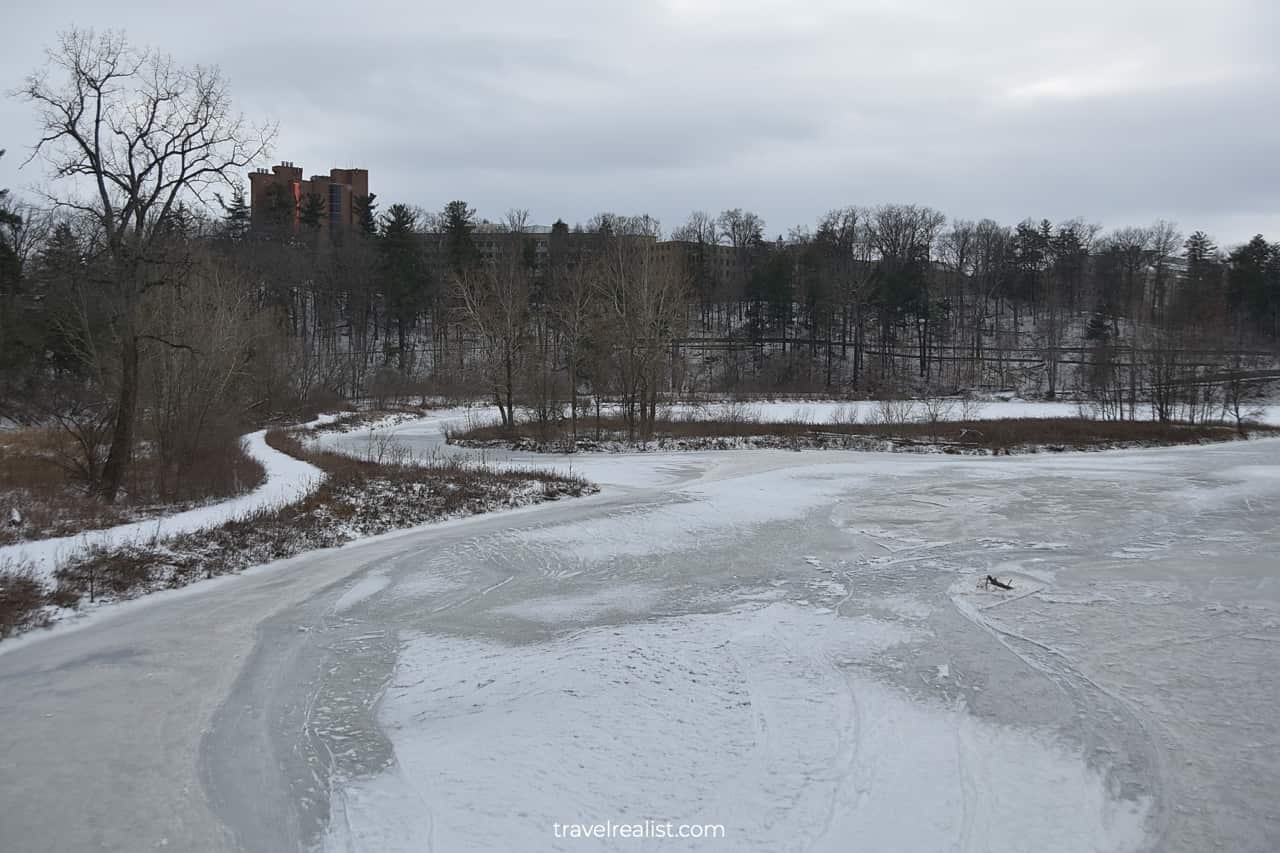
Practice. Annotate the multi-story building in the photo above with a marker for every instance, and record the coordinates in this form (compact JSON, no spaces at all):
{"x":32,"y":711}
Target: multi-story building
{"x":709,"y":264}
{"x":281,"y":196}
{"x":538,"y":245}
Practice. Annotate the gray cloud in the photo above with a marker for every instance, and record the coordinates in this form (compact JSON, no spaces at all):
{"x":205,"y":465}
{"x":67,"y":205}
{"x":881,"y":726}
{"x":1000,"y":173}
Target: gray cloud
{"x":1119,"y":111}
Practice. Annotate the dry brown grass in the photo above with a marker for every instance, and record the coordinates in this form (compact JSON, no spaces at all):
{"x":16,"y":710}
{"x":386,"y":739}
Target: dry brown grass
{"x":22,"y":600}
{"x":1011,"y":435}
{"x":53,"y":501}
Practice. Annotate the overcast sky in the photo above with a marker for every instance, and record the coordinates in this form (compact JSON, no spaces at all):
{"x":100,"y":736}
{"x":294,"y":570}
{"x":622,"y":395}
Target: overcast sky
{"x":1118,"y":111}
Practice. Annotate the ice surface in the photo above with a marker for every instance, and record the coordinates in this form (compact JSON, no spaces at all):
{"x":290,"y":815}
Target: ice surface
{"x":756,"y":719}
{"x":369,"y":585}
{"x":834,"y":598}
{"x":791,"y":644}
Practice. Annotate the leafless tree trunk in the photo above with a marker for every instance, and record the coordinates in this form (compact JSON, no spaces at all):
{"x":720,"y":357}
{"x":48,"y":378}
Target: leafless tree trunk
{"x":493,"y":301}
{"x":642,"y":295}
{"x":147,"y":136}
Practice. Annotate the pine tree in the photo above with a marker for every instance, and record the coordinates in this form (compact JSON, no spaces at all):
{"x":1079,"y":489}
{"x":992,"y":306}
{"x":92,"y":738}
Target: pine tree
{"x":9,"y":266}
{"x":7,"y":216}
{"x":1098,"y":329}
{"x":404,"y":273}
{"x":62,"y":276}
{"x":14,"y":348}
{"x":1203,"y":280}
{"x":366,"y":212}
{"x":312,"y":212}
{"x":1254,"y":283}
{"x":279,"y":209}
{"x":459,"y":225}
{"x":236,"y":215}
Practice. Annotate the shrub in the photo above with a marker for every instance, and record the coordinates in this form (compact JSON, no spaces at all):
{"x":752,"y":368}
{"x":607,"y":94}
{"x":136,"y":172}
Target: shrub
{"x":22,"y":599}
{"x":118,"y":571}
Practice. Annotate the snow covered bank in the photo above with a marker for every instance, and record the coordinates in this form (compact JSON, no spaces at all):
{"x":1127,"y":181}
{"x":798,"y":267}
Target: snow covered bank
{"x":287,"y":479}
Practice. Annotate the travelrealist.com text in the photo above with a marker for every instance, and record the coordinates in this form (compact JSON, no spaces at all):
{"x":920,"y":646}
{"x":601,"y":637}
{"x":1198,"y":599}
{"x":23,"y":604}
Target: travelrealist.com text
{"x":643,"y":829}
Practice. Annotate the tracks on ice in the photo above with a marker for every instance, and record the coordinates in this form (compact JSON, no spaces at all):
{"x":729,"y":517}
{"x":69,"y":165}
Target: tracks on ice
{"x":1101,"y":711}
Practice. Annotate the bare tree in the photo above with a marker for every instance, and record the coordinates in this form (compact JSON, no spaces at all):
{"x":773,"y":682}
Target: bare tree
{"x":700,"y":235}
{"x":842,"y":247}
{"x":493,"y":300}
{"x":1242,"y":396}
{"x":957,"y":248}
{"x":194,"y":393}
{"x":574,"y":317}
{"x":27,"y":232}
{"x":1165,"y":240}
{"x":903,"y":236}
{"x":744,"y":231}
{"x":132,"y":136}
{"x":642,"y":294}
{"x":700,"y":227}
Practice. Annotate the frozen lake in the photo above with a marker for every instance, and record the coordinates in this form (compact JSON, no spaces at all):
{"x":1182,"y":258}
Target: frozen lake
{"x":790,"y":645}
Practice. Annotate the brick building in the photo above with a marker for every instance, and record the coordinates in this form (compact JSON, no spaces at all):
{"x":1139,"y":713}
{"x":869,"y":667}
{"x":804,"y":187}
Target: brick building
{"x":280,"y":196}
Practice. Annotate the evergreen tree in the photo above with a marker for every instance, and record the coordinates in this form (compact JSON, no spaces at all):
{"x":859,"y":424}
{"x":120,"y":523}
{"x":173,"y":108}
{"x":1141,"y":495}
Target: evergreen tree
{"x":366,"y":214}
{"x":7,"y":216}
{"x":554,"y":277}
{"x":280,"y":209}
{"x":1201,"y":291}
{"x":404,"y":273}
{"x":1253,"y":287}
{"x":13,"y":348}
{"x":9,"y":266}
{"x":62,"y":272}
{"x":771,"y":288}
{"x":313,"y":211}
{"x":459,"y":226}
{"x":236,"y":215}
{"x":1031,"y":243}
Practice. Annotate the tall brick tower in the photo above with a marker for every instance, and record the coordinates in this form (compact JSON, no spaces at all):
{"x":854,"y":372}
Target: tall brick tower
{"x":277,"y":196}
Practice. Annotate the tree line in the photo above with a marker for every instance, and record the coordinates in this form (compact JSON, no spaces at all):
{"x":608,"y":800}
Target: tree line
{"x":147,"y":309}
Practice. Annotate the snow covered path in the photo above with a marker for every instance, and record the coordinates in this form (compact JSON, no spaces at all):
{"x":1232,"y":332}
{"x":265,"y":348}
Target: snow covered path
{"x":789,"y":644}
{"x":286,"y":480}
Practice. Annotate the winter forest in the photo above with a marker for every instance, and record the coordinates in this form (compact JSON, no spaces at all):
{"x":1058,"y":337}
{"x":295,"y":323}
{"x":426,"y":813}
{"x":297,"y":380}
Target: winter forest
{"x":143,"y":301}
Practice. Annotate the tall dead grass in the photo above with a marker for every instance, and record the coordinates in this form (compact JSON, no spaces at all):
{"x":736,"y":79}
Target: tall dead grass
{"x":53,"y":500}
{"x":1009,"y":435}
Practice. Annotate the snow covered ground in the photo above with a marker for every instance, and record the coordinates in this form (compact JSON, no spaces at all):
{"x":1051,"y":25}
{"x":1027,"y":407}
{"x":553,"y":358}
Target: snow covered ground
{"x":793,"y":646}
{"x":286,"y":480}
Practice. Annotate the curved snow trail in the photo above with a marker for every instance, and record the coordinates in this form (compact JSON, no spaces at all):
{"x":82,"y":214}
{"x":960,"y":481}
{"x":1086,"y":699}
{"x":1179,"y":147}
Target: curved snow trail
{"x":286,"y":480}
